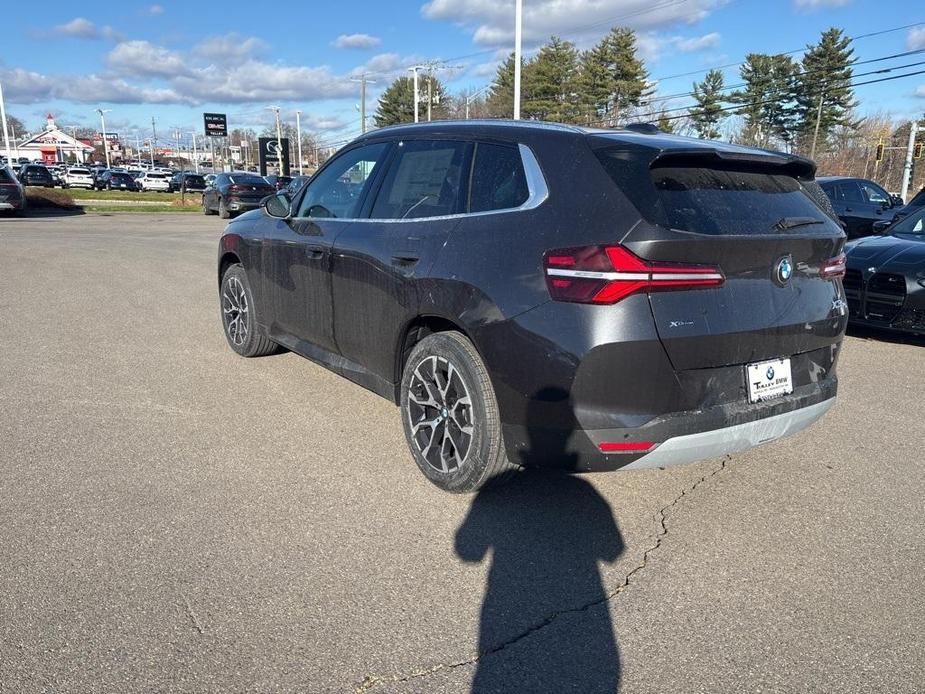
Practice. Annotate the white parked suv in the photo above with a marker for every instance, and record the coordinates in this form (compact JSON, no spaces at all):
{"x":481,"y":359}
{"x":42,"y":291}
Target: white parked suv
{"x":154,"y":181}
{"x":78,"y":177}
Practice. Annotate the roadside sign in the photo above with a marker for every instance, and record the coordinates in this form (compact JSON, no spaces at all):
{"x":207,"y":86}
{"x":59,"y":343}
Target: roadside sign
{"x":216,"y":124}
{"x":269,"y":151}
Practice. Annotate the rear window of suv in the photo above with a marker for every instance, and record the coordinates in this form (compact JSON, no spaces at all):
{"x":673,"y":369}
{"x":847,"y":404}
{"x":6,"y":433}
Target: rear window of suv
{"x":716,"y":201}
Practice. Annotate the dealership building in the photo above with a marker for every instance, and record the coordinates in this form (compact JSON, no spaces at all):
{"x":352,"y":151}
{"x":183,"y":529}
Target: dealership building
{"x":52,"y":145}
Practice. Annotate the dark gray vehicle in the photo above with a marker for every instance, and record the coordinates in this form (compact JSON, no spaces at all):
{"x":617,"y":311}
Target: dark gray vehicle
{"x":541,"y":295}
{"x":860,"y":204}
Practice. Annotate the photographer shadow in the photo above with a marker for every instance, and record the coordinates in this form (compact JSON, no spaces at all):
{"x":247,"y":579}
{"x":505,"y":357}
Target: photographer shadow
{"x":545,"y":624}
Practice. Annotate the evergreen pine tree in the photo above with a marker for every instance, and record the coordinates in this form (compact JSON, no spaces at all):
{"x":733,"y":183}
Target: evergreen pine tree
{"x":500,"y":101}
{"x":549,"y":83}
{"x":825,"y":79}
{"x":396,"y":105}
{"x":612,"y":77}
{"x":767,"y":99}
{"x":707,"y":114}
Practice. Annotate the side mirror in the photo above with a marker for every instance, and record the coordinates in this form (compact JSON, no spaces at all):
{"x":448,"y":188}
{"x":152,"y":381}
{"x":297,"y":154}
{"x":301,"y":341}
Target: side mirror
{"x":881,"y":226}
{"x":278,"y":206}
{"x":897,"y":201}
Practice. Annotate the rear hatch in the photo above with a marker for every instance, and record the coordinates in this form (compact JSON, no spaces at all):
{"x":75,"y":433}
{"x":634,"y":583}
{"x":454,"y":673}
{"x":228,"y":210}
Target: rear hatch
{"x":754,"y":218}
{"x":249,"y":187}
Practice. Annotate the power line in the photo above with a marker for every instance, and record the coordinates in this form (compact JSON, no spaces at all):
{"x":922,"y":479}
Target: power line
{"x":739,"y":107}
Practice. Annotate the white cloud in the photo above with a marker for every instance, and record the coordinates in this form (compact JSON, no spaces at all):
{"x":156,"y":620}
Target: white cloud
{"x":144,"y":59}
{"x":81,"y":28}
{"x":920,"y":92}
{"x":816,"y":4}
{"x":361,"y":41}
{"x":255,"y":81}
{"x":25,"y":87}
{"x":492,"y":22}
{"x":916,"y":38}
{"x":229,"y":47}
{"x":155,"y":10}
{"x":699,"y":43}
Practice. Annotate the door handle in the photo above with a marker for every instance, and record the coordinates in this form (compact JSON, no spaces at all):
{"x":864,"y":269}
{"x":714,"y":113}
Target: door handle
{"x":405,"y":260}
{"x":314,"y":252}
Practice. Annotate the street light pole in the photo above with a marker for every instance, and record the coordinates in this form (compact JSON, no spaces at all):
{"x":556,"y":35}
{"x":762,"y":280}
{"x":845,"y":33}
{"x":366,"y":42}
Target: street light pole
{"x":101,"y":111}
{"x":195,"y":154}
{"x":298,"y":134}
{"x":518,"y":41}
{"x":907,"y":168}
{"x":6,"y":132}
{"x":415,"y":71}
{"x":153,"y":140}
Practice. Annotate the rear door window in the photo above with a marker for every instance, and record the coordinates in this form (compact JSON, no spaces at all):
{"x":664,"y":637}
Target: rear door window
{"x":848,"y":191}
{"x":498,"y":181}
{"x":424,"y":180}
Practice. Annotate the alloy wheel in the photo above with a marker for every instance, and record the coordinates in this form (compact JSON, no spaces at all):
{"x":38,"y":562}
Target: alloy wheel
{"x":235,"y":311}
{"x":440,"y":414}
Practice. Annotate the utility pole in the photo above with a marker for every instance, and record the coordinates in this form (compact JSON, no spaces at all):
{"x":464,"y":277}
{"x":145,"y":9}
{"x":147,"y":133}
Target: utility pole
{"x":153,"y":140}
{"x":430,"y":93}
{"x":363,"y":81}
{"x":518,"y":42}
{"x":6,"y":132}
{"x":279,"y":141}
{"x":298,"y":134}
{"x":101,"y":111}
{"x":195,"y":154}
{"x":907,"y":168}
{"x":472,"y":97}
{"x":812,"y":154}
{"x":415,"y":71}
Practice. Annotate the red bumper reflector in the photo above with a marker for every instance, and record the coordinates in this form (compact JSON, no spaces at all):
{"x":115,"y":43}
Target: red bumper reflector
{"x":626,"y":446}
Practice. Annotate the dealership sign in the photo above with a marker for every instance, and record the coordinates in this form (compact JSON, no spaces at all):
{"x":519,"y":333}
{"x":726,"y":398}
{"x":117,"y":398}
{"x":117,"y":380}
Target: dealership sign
{"x":270,"y":150}
{"x":216,"y":124}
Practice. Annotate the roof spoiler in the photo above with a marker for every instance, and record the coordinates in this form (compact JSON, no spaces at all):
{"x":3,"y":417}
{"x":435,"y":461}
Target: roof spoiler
{"x":763,"y":160}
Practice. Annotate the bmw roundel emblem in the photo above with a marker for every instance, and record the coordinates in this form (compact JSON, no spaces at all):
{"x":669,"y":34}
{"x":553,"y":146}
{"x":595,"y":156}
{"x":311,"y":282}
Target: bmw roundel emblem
{"x":784,"y":270}
{"x":770,"y":373}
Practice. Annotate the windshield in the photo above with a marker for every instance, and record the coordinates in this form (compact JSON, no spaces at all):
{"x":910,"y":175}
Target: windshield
{"x":913,"y":224}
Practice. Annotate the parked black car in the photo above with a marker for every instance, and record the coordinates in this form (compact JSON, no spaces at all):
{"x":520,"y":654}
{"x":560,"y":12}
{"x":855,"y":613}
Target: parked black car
{"x":885,"y":280}
{"x":231,"y":193}
{"x":859,"y":203}
{"x":36,"y":175}
{"x":115,"y":180}
{"x":278,"y":182}
{"x":188,"y":182}
{"x":532,"y":294}
{"x":12,"y":194}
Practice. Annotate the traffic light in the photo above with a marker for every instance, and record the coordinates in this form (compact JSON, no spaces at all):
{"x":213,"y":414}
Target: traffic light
{"x":879,"y":156}
{"x":917,"y":151}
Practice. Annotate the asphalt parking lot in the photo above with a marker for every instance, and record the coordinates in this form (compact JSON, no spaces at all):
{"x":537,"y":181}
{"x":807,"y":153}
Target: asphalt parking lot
{"x":176,"y":518}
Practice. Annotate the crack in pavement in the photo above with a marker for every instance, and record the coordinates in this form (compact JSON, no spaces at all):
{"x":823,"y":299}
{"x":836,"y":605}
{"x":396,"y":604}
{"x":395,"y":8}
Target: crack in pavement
{"x":371,"y":681}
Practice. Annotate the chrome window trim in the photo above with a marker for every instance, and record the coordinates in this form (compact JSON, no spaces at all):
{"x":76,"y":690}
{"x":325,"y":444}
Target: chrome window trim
{"x":537,"y":193}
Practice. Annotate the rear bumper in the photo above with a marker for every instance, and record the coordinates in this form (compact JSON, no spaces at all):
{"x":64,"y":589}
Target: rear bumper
{"x":739,"y":437}
{"x":237,"y":204}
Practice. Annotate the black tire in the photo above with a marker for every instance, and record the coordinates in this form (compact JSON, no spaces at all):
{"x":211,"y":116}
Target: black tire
{"x":457,"y":466}
{"x":252,"y":342}
{"x":223,"y":212}
{"x":205,"y":209}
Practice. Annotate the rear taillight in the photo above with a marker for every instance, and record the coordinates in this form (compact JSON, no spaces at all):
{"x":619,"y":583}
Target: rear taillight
{"x":833,"y":268}
{"x":607,"y":274}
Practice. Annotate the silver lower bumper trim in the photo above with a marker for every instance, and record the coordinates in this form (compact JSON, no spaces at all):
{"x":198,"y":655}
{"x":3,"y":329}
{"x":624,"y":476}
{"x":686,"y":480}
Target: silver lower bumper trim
{"x":711,"y":444}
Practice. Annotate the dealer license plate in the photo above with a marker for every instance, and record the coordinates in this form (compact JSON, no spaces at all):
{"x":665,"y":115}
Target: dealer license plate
{"x":768,"y":380}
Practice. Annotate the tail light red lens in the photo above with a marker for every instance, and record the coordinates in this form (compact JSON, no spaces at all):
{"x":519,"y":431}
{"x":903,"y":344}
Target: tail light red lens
{"x":626,"y":446}
{"x":607,"y":274}
{"x":833,"y":268}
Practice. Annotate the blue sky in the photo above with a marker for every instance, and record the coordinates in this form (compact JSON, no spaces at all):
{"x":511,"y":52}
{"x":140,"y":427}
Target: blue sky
{"x":174,"y":60}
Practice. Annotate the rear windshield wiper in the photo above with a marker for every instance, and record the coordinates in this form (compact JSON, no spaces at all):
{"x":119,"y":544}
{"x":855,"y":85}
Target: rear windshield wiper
{"x":793,"y":222}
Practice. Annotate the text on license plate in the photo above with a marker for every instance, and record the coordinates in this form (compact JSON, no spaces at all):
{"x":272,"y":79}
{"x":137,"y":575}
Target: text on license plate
{"x":768,"y":379}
